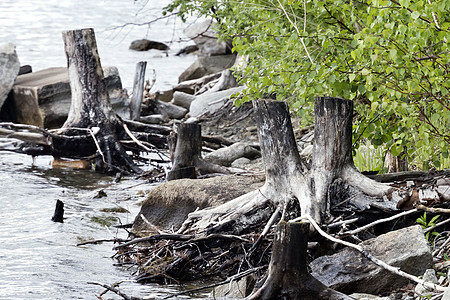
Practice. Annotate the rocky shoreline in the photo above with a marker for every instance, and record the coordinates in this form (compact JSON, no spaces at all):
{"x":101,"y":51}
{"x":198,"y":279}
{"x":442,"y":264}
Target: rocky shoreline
{"x":204,"y":95}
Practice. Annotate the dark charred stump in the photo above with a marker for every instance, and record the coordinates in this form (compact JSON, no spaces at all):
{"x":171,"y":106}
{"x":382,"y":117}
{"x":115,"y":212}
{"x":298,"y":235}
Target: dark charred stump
{"x":288,"y":277}
{"x":58,"y":216}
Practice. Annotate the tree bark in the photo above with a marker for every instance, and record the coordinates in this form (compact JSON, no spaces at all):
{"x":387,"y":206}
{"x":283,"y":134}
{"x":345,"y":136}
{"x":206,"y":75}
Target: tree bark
{"x":138,"y":91}
{"x":288,"y":277}
{"x":91,"y":107}
{"x":187,"y":151}
{"x":287,"y":177}
{"x":187,"y":156}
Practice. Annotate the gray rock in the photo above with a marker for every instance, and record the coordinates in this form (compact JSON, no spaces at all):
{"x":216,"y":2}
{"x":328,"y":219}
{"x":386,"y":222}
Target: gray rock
{"x":168,"y":204}
{"x":207,"y":65}
{"x":171,"y":110}
{"x":183,"y":99}
{"x":349,"y":271}
{"x":241,"y":163}
{"x":235,"y":289}
{"x":145,"y":45}
{"x":210,"y":103}
{"x":428,"y":276}
{"x":43,"y":98}
{"x":9,"y":68}
{"x":205,"y":38}
{"x":225,"y":156}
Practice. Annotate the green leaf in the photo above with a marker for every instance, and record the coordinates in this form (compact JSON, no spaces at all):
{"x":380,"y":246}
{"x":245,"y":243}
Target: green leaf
{"x":352,"y":77}
{"x":415,"y":15}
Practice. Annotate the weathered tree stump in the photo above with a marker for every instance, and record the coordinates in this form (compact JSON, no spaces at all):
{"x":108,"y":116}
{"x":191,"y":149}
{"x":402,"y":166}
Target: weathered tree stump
{"x":288,"y":180}
{"x":188,"y":151}
{"x":288,"y":277}
{"x":187,"y":156}
{"x":138,"y":91}
{"x":91,"y":107}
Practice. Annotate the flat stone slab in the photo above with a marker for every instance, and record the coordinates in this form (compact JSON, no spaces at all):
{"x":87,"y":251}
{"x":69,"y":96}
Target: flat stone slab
{"x":43,"y":98}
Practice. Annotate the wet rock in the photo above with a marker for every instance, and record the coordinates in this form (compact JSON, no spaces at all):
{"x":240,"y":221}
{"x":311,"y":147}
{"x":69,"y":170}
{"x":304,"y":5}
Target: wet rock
{"x":204,"y":36}
{"x":225,"y":156}
{"x":349,"y":271}
{"x":43,"y":98}
{"x":207,"y":65}
{"x":9,"y":68}
{"x":168,"y":204}
{"x":145,"y":45}
{"x":210,"y":103}
{"x":428,"y":276}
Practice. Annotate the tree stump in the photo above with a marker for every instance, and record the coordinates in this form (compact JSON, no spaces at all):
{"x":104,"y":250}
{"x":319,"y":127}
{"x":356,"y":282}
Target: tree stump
{"x":138,"y":91}
{"x":288,"y":277}
{"x":91,"y":108}
{"x":187,"y":151}
{"x":288,"y":180}
{"x":187,"y":156}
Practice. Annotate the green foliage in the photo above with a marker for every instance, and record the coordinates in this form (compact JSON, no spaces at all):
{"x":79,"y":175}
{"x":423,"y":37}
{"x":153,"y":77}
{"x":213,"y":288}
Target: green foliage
{"x":390,"y":57}
{"x":369,"y":158}
{"x":425,"y":224}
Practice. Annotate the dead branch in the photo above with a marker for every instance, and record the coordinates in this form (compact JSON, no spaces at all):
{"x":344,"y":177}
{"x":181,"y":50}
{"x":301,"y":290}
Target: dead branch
{"x":433,"y":209}
{"x":365,"y":227}
{"x":115,"y":290}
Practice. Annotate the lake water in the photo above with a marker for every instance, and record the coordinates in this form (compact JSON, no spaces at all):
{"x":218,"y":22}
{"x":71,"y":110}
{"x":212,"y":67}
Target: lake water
{"x":39,"y":259}
{"x":36,"y":26}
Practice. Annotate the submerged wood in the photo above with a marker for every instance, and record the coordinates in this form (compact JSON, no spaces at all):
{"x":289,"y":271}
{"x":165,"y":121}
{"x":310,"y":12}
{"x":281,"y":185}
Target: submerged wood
{"x":58,"y":216}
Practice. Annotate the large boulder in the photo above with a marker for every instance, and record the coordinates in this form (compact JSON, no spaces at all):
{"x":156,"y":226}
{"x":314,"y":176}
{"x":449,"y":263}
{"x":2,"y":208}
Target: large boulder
{"x":211,"y":102}
{"x":43,"y":98}
{"x":350,"y":272}
{"x":145,"y":45}
{"x":207,"y":65}
{"x":204,"y":36}
{"x":168,"y":205}
{"x":9,"y":68}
